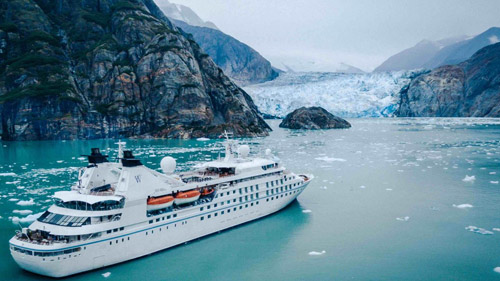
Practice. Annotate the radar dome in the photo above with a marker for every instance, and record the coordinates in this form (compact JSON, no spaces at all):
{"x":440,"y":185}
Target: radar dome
{"x":243,"y":151}
{"x":268,"y":151}
{"x":168,"y":165}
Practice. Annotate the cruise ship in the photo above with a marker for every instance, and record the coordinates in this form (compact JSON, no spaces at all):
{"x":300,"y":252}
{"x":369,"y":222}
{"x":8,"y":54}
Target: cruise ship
{"x":118,"y":211}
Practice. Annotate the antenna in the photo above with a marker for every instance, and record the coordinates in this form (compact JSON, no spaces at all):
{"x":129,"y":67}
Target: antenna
{"x":121,"y":146}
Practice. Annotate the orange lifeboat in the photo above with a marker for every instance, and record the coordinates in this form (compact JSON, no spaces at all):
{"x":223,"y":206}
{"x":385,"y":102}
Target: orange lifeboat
{"x":156,"y":203}
{"x":207,"y":191}
{"x":185,"y":197}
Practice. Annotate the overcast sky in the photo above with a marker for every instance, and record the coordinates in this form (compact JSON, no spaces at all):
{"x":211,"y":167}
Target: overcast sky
{"x":362,"y":33}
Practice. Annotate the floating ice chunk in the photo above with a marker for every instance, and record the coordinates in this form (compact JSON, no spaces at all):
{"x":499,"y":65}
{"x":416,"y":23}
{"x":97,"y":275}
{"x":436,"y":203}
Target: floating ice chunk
{"x":314,"y":253}
{"x":81,"y":158}
{"x":21,"y":187}
{"x":202,"y":139}
{"x":362,"y":186}
{"x":493,"y":173}
{"x":12,"y":182}
{"x":496,"y":229}
{"x":330,"y":159}
{"x":494,"y":182}
{"x":479,"y":230}
{"x":22,"y":212}
{"x":26,"y":203}
{"x":13,"y":199}
{"x":463,"y":206}
{"x":28,"y":219}
{"x":60,"y":161}
{"x":407,"y":218}
{"x":469,"y":178}
{"x":8,"y":174}
{"x":497,"y":269}
{"x":106,"y":275}
{"x":324,"y":187}
{"x":388,"y":189}
{"x":306,"y":211}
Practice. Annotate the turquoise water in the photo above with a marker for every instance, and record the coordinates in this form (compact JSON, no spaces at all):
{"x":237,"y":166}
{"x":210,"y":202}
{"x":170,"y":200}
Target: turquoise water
{"x":381,"y":204}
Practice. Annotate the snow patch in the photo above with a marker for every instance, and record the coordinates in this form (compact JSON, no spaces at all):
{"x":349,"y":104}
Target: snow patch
{"x":493,"y":39}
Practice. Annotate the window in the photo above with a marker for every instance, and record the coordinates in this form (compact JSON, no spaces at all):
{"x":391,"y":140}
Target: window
{"x":209,"y":216}
{"x":222,"y":213}
{"x":228,"y":201}
{"x":241,"y":207}
{"x":215,"y":214}
{"x":227,"y":193}
{"x":234,"y":209}
{"x":168,"y":217}
{"x":201,"y":209}
{"x":246,"y":205}
{"x":215,"y":205}
{"x":251,"y":204}
{"x":175,"y":215}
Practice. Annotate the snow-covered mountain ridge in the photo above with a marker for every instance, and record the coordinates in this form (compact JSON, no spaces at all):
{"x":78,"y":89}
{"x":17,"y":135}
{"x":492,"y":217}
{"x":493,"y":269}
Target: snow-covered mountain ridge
{"x":345,"y":95}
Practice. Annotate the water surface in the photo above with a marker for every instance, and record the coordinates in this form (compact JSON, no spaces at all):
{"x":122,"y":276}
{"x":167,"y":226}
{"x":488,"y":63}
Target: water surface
{"x":381,"y":204}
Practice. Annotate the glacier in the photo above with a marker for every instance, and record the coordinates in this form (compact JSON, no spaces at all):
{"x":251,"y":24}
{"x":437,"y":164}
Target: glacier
{"x":343,"y":94}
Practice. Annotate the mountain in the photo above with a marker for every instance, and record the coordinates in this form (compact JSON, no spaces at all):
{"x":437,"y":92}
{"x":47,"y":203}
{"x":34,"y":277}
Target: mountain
{"x":461,"y":51}
{"x":298,"y":64}
{"x":107,"y":68}
{"x":468,"y":89}
{"x":416,"y":56}
{"x":185,"y":14}
{"x":238,"y":61}
{"x":343,"y":94}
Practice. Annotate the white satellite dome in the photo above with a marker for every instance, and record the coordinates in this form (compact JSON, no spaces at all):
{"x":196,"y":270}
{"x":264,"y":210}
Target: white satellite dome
{"x":168,"y":165}
{"x":268,"y":151}
{"x":243,"y":151}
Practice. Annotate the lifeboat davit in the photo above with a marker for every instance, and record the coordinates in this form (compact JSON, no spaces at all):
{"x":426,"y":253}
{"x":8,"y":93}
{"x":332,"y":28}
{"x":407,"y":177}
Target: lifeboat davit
{"x":185,"y":197}
{"x":156,"y":203}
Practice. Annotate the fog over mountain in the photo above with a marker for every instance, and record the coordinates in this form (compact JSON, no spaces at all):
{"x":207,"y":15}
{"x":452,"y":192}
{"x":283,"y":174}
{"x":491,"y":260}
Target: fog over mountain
{"x":329,"y":32}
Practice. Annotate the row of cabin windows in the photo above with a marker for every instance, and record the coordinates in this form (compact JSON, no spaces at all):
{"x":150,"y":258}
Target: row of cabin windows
{"x":115,"y":230}
{"x":229,"y":210}
{"x":163,"y":218}
{"x":166,"y":227}
{"x":46,"y":254}
{"x":278,"y":196}
{"x":257,"y":177}
{"x":270,"y":166}
{"x":118,"y":240}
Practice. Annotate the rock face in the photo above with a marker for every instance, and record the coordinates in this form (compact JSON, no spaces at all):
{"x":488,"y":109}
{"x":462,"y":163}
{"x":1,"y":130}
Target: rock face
{"x":313,"y":118}
{"x":469,"y":89}
{"x":238,"y":61}
{"x":107,"y":68}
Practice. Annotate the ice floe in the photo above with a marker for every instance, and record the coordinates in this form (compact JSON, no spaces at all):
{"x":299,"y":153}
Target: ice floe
{"x":463,"y":206}
{"x":306,"y":211}
{"x":496,"y":229}
{"x":106,"y":275}
{"x":469,"y":178}
{"x":22,"y":212}
{"x":407,"y":218}
{"x":13,"y":199}
{"x":479,"y":230}
{"x":26,"y":203}
{"x":202,"y":139}
{"x":494,"y":182}
{"x":497,"y":269}
{"x":8,"y":174}
{"x":27,"y":219}
{"x":388,"y":189}
{"x":330,"y":159}
{"x":324,"y":187}
{"x":314,"y":253}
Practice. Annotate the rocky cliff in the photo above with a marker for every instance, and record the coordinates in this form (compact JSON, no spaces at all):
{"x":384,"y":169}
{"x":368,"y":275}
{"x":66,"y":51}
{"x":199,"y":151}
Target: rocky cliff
{"x":109,"y":68}
{"x":468,"y":89}
{"x":313,"y":118}
{"x":238,"y":61}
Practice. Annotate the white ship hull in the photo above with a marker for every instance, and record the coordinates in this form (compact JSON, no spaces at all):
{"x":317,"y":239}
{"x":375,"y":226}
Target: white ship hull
{"x":133,"y":243}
